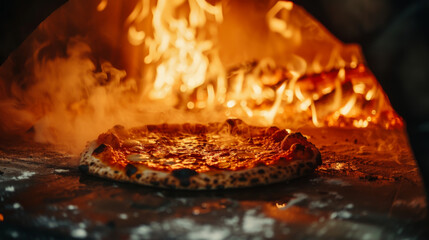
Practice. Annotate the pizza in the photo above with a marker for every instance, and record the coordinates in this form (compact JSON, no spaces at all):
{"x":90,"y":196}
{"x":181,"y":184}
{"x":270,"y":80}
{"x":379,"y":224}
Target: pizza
{"x":231,"y":154}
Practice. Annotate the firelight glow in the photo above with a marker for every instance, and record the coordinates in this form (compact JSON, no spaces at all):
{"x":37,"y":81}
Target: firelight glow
{"x":268,"y":63}
{"x":183,"y":51}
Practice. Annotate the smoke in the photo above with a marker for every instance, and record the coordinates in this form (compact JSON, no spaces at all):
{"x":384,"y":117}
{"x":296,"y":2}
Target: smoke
{"x":67,"y":99}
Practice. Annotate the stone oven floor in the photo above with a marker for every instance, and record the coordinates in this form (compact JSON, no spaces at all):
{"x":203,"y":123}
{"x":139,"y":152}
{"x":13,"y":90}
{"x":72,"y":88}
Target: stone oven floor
{"x":367,"y":188}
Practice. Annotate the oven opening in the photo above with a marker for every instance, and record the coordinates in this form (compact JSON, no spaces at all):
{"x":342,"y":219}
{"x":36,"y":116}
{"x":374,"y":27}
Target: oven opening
{"x":95,"y":64}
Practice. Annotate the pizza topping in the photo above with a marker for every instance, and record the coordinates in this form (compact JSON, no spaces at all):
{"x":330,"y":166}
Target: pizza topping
{"x":301,"y":151}
{"x":271,"y":130}
{"x":230,"y":146}
{"x":293,"y":138}
{"x":138,"y":157}
{"x":279,"y":135}
{"x":129,"y":143}
{"x":194,"y":156}
{"x":110,"y":139}
{"x":234,"y":122}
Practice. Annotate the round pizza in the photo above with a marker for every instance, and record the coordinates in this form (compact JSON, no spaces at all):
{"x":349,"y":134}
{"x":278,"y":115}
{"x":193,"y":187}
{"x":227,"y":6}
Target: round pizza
{"x":231,"y":154}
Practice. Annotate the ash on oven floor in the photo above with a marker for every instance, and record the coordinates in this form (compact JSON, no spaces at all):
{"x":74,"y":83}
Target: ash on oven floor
{"x":360,"y":192}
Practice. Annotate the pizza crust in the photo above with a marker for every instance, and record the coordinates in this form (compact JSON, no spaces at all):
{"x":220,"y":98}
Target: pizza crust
{"x":191,"y":180}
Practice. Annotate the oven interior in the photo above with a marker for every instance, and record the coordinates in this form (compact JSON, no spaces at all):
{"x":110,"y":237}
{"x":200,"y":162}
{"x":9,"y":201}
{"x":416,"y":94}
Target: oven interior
{"x":91,"y":65}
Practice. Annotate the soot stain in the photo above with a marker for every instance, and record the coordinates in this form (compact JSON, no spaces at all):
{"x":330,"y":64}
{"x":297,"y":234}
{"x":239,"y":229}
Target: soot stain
{"x":319,"y":159}
{"x":130,"y":169}
{"x":84,"y":168}
{"x":99,"y":149}
{"x":184,"y":175}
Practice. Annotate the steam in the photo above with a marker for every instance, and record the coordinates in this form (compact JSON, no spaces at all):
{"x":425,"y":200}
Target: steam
{"x":68,"y":99}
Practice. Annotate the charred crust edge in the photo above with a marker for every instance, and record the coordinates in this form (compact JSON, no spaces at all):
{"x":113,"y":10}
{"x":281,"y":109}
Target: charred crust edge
{"x":184,"y":175}
{"x":130,"y":169}
{"x":318,"y":159}
{"x":99,"y":149}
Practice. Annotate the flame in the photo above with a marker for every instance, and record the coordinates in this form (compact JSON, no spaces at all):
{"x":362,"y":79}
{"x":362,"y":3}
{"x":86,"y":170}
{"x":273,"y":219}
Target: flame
{"x":102,"y":5}
{"x":181,"y":56}
{"x":348,"y":107}
{"x":182,"y":60}
{"x":280,"y":25}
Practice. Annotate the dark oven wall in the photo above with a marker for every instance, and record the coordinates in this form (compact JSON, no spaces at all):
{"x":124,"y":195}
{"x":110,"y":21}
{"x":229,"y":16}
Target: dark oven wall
{"x":395,"y":41}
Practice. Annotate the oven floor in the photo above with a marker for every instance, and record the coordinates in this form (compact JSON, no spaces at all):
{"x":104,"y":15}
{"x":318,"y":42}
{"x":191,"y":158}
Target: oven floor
{"x":367,"y":188}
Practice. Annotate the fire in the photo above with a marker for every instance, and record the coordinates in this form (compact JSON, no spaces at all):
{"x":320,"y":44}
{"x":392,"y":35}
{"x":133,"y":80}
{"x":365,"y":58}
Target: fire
{"x":102,"y":5}
{"x":266,"y":63}
{"x":261,"y":91}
